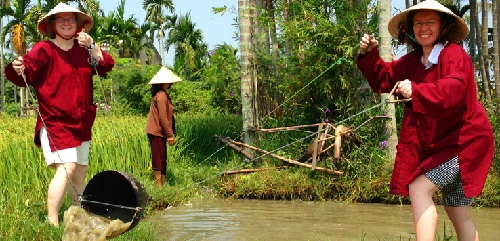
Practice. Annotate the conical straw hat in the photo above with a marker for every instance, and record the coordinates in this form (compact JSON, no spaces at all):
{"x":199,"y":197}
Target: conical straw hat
{"x":164,"y":75}
{"x":82,"y":18}
{"x":457,"y":32}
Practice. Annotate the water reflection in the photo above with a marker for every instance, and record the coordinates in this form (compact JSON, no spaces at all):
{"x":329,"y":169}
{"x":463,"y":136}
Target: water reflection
{"x":296,"y":220}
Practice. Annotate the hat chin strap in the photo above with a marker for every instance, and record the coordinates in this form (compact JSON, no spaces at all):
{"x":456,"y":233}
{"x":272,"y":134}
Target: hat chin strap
{"x":79,"y":29}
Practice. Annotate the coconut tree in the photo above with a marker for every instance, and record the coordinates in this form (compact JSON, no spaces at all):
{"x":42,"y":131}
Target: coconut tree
{"x":188,"y":43}
{"x":484,"y":48}
{"x":3,"y":3}
{"x":20,"y":23}
{"x":154,"y":14}
{"x":123,"y":34}
{"x":247,"y":98}
{"x":496,"y":58}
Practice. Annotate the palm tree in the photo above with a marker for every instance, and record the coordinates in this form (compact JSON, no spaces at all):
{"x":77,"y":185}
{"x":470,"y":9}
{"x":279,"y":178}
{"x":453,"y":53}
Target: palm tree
{"x":247,"y":98}
{"x":484,"y":48}
{"x":3,"y":3}
{"x":190,"y":50}
{"x":92,"y":8}
{"x":123,"y":34}
{"x":154,"y":14}
{"x":21,"y":23}
{"x":496,"y":57}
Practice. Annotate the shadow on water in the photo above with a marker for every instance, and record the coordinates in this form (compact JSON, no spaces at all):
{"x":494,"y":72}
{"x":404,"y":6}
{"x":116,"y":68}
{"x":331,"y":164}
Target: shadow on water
{"x":297,"y":220}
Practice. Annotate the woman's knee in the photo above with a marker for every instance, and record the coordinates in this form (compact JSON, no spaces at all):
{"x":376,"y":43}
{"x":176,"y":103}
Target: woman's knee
{"x":422,"y":186}
{"x":458,"y":214}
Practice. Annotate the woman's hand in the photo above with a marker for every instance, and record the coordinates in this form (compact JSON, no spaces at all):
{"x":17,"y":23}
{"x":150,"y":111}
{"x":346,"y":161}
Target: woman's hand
{"x":404,"y":87}
{"x":84,"y":39}
{"x":171,"y":141}
{"x":18,"y":65}
{"x":367,"y":43}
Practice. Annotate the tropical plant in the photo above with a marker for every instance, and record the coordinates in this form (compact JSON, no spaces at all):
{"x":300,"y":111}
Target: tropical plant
{"x":122,"y":33}
{"x":189,"y":45}
{"x":154,"y":14}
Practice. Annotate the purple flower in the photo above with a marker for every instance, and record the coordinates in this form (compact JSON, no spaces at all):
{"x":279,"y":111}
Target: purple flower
{"x":211,"y":52}
{"x":383,"y":144}
{"x":384,"y":114}
{"x":232,"y":93}
{"x":327,"y":120}
{"x":327,"y":110}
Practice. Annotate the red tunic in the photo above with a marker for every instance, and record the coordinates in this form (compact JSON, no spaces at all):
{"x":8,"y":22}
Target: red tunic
{"x":63,"y":84}
{"x":443,"y":120}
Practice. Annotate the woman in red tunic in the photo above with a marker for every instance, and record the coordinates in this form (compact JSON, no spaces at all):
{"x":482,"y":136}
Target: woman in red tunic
{"x":446,"y":139}
{"x":58,"y":69}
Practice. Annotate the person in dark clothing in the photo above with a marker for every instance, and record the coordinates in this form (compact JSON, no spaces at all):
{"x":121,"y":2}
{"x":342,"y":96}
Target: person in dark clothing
{"x":160,"y":126}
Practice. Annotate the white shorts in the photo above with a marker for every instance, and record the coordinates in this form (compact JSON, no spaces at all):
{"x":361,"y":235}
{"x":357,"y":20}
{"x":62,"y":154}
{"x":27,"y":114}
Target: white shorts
{"x":79,"y":154}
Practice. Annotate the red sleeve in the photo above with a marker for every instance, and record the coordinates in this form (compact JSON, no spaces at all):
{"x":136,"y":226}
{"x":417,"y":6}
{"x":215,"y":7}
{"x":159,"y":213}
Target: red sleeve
{"x":106,"y":64}
{"x":34,"y":61}
{"x":448,"y":93}
{"x":381,"y":75}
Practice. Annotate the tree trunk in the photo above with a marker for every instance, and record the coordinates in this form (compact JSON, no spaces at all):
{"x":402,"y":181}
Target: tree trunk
{"x":386,"y":54}
{"x":2,"y":78}
{"x":287,"y":14}
{"x":161,"y":35}
{"x":484,"y":41}
{"x":473,"y":26}
{"x":255,"y":32}
{"x":496,"y":58}
{"x":247,"y":97}
{"x":274,"y":35}
{"x":484,"y":50}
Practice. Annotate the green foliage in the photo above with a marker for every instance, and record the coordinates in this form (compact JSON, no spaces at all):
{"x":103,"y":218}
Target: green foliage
{"x":126,"y":89}
{"x":223,"y":78}
{"x":188,"y":96}
{"x":318,"y":72}
{"x":118,"y":143}
{"x":131,"y":87}
{"x":491,"y":109}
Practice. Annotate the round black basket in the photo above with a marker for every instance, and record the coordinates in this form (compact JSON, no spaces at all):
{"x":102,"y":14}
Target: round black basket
{"x":116,"y":195}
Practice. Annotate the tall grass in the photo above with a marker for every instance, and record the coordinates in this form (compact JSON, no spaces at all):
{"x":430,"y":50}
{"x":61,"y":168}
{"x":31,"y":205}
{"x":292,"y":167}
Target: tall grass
{"x":119,"y":143}
{"x":195,"y":163}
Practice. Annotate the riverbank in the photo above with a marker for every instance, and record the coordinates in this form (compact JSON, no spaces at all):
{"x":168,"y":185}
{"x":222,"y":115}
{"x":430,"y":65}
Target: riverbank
{"x":195,"y":167}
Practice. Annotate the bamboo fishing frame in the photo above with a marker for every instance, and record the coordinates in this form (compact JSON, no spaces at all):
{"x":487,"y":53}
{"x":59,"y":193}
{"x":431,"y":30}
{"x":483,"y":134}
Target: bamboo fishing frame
{"x":315,"y":149}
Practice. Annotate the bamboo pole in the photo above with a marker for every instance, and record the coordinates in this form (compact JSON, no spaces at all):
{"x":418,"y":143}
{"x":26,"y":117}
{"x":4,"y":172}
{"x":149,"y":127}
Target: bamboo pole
{"x":287,"y":128}
{"x":251,"y":170}
{"x":284,"y":159}
{"x":316,"y":146}
{"x":237,"y":148}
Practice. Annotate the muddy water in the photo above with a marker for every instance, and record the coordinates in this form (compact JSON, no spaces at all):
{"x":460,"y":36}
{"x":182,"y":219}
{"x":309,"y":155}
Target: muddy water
{"x":79,"y":225}
{"x":296,"y":220}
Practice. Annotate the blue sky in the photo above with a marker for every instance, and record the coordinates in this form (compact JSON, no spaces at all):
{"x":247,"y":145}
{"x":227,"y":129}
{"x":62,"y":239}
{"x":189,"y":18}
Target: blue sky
{"x":216,"y":29}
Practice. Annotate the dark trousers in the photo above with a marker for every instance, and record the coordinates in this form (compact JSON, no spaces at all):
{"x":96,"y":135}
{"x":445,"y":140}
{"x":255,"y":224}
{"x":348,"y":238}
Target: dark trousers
{"x":158,"y":153}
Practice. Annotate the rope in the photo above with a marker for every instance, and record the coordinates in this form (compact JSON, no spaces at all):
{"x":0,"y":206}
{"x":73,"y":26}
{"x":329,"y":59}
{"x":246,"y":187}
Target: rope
{"x":48,"y":134}
{"x":388,"y":100}
{"x":339,"y":61}
{"x":93,"y":62}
